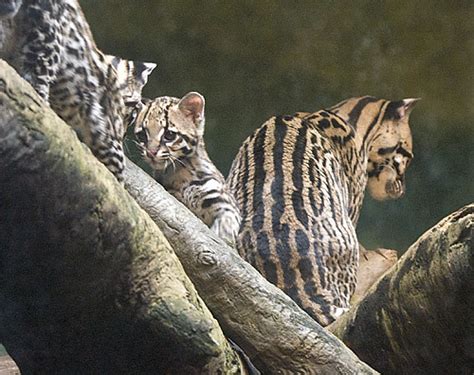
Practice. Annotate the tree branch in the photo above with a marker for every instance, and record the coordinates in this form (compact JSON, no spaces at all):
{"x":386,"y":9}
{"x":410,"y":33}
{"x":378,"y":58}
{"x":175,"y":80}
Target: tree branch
{"x":88,"y":282}
{"x":278,"y":336}
{"x":388,"y":329}
{"x":419,"y":317}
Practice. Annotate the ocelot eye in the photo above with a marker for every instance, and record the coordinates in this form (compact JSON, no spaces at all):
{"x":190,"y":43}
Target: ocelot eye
{"x":141,"y":136}
{"x":169,"y":135}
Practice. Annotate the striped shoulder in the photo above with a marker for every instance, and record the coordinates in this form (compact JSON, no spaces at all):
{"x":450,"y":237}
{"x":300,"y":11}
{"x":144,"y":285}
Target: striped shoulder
{"x":358,"y":109}
{"x":267,"y":152}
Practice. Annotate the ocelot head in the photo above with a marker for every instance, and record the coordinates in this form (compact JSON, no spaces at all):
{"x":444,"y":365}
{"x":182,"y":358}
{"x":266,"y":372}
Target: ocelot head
{"x":132,"y":76}
{"x":9,"y":8}
{"x":390,"y":151}
{"x":169,"y":129}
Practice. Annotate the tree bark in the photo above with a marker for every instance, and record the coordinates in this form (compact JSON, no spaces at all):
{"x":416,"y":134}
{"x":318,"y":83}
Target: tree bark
{"x":372,"y":265}
{"x":432,"y":284}
{"x":277,"y":335}
{"x":88,"y":283}
{"x":419,"y":317}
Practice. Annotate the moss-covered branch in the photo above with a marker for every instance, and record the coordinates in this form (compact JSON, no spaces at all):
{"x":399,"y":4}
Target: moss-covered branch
{"x":419,"y":317}
{"x":88,"y":283}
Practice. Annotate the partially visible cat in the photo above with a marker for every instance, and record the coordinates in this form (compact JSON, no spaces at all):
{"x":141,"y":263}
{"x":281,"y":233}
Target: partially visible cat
{"x":132,"y":77}
{"x":170,"y":135}
{"x":300,"y":181}
{"x":50,"y":44}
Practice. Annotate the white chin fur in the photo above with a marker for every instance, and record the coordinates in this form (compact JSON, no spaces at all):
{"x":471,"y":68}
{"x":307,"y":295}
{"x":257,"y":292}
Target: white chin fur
{"x":385,"y":186}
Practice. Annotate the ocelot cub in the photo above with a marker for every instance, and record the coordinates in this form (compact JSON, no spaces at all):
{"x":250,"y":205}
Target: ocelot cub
{"x":50,"y":44}
{"x":299,"y":182}
{"x":170,"y":135}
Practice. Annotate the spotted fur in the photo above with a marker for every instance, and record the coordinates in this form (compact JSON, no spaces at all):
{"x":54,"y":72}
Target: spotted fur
{"x":132,"y":77}
{"x":170,"y":134}
{"x":50,"y":44}
{"x":299,"y":182}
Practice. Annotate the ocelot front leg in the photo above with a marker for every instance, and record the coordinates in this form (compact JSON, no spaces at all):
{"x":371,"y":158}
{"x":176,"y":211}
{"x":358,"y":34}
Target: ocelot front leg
{"x":96,"y":121}
{"x":226,"y":225}
{"x":106,"y":134}
{"x":109,"y":151}
{"x":41,"y":52}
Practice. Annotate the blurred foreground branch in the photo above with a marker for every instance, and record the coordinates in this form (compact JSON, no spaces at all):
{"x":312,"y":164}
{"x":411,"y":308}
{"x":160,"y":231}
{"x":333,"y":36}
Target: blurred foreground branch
{"x":88,"y":283}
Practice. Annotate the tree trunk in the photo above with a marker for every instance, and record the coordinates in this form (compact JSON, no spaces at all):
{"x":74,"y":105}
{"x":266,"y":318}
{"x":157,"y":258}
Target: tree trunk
{"x":88,"y":283}
{"x":432,"y":284}
{"x":277,"y":335}
{"x":372,"y":265}
{"x":419,"y":317}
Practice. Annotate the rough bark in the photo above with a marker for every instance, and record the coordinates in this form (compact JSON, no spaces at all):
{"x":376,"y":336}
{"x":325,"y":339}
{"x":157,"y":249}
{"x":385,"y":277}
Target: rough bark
{"x":88,"y":283}
{"x":372,"y":265}
{"x":277,"y":335}
{"x":419,"y":317}
{"x":432,"y":284}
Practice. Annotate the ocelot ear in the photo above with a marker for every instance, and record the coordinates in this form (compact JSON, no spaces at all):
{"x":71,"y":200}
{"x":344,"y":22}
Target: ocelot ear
{"x":407,"y":106}
{"x":113,"y":60}
{"x":192,"y":106}
{"x":143,"y":70}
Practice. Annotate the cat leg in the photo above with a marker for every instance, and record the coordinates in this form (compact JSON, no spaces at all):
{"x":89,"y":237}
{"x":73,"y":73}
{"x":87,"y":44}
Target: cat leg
{"x":110,"y":153}
{"x":226,"y":225}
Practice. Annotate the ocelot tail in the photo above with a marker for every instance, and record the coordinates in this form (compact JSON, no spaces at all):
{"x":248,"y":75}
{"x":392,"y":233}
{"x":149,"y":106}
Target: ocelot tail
{"x":299,"y":182}
{"x":51,"y":46}
{"x":170,"y":134}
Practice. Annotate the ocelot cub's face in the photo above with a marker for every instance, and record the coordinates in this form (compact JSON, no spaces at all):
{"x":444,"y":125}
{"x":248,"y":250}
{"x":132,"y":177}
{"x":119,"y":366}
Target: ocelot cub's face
{"x":168,"y":129}
{"x":391,"y":152}
{"x":9,"y":8}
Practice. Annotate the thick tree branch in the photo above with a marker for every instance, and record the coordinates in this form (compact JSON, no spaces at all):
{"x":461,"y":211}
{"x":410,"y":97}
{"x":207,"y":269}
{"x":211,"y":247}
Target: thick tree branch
{"x":88,"y":283}
{"x":432,"y":284}
{"x":419,"y":317}
{"x":277,"y":335}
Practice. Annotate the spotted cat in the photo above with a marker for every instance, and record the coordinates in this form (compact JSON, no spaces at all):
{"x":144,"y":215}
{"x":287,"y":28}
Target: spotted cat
{"x":50,"y":44}
{"x":170,"y":134}
{"x":132,"y":76}
{"x":299,"y":182}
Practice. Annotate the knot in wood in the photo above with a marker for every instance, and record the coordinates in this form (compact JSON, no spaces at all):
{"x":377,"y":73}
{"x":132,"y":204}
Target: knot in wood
{"x":3,"y":85}
{"x":206,"y":256}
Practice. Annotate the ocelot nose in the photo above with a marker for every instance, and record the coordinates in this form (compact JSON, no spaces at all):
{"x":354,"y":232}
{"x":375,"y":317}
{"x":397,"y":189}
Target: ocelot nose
{"x":151,"y":153}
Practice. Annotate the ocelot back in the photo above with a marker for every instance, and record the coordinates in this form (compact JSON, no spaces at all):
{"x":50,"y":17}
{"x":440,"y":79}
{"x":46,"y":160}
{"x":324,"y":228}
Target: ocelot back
{"x":50,"y":44}
{"x":170,"y":134}
{"x":299,"y":182}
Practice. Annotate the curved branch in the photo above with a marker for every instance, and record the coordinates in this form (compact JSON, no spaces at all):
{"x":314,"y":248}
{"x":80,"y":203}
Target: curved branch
{"x":277,"y":335}
{"x":88,"y":282}
{"x":419,"y":317}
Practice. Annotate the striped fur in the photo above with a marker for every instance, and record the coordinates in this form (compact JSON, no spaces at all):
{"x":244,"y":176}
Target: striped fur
{"x":170,"y":135}
{"x":132,"y":76}
{"x":299,"y":182}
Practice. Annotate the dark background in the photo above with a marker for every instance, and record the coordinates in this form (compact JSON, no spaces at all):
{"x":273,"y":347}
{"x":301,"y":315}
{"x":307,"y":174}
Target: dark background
{"x":254,"y":59}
